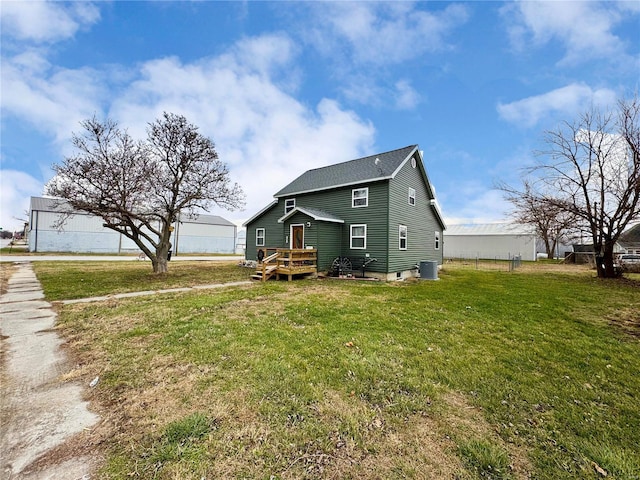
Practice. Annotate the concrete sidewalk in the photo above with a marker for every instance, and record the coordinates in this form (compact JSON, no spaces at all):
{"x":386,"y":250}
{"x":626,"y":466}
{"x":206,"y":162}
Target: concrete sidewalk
{"x":38,"y":412}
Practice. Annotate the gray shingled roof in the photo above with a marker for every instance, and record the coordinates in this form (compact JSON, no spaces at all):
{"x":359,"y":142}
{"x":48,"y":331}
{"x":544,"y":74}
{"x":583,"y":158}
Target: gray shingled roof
{"x":631,"y":236}
{"x":360,"y":170}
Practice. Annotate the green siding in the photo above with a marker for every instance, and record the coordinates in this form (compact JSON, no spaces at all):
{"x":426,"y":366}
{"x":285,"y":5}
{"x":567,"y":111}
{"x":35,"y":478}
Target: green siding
{"x":274,"y":231}
{"x":329,"y":248}
{"x":420,"y":220}
{"x":375,"y":216}
{"x":323,"y":236}
{"x":387,"y":208}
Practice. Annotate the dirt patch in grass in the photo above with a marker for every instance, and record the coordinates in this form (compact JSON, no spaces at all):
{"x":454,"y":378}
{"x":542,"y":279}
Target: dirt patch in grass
{"x":468,"y":421}
{"x":566,"y":268}
{"x":627,"y":320}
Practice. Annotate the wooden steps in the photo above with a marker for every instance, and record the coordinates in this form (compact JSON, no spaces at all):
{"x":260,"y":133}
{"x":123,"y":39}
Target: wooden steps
{"x":289,"y":262}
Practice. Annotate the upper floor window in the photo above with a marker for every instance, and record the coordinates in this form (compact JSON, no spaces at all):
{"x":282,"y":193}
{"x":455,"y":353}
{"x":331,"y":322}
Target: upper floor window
{"x":289,"y":204}
{"x":259,"y":237}
{"x":437,"y":243}
{"x":402,"y":237}
{"x":358,"y":236}
{"x":360,"y":197}
{"x":412,"y":196}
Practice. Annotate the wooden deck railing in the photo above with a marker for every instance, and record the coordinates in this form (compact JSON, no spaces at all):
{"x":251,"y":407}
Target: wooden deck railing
{"x":289,"y":262}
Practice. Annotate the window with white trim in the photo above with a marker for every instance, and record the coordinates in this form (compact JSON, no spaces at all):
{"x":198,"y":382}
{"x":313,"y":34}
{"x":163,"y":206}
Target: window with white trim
{"x":259,"y":237}
{"x":360,"y":197}
{"x":358,"y":237}
{"x":402,"y":237}
{"x":289,"y":204}
{"x":412,"y":196}
{"x":437,"y":244}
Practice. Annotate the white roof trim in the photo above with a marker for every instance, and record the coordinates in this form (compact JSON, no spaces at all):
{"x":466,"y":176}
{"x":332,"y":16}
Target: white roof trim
{"x":436,"y":208}
{"x":359,"y":182}
{"x":404,"y":162}
{"x":313,"y":215}
{"x":274,"y":202}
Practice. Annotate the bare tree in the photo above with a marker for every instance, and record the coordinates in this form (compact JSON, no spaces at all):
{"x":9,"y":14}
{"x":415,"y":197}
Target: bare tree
{"x":591,"y":172}
{"x":551,"y":224}
{"x":140,"y":187}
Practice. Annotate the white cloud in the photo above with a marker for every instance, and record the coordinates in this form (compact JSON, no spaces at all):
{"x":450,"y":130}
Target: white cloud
{"x":265,"y":135}
{"x":476,"y":204}
{"x":407,"y":97}
{"x":584,"y":28}
{"x":16,"y":188}
{"x":52,"y":99}
{"x":570,"y":100}
{"x":240,"y":99}
{"x":382,"y":33}
{"x":46,"y":21}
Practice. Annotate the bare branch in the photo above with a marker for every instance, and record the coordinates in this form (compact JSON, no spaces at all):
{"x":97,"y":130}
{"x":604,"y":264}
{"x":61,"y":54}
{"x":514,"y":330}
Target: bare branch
{"x":139,"y":188}
{"x":588,"y":176}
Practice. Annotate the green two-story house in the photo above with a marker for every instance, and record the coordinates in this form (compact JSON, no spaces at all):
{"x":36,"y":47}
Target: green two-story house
{"x":379,"y":211}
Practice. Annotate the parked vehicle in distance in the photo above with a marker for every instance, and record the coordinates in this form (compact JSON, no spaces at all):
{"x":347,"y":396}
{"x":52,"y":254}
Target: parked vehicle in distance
{"x":630,"y":258}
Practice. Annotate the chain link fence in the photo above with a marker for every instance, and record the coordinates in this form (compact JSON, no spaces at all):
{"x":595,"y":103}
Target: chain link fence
{"x":508,"y":264}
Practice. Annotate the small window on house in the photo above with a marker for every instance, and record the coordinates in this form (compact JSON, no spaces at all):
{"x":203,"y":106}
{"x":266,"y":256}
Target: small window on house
{"x":412,"y":196}
{"x":259,"y":237}
{"x":289,"y":204}
{"x":402,"y":237}
{"x":360,"y":197}
{"x":437,"y":244}
{"x":358,"y":237}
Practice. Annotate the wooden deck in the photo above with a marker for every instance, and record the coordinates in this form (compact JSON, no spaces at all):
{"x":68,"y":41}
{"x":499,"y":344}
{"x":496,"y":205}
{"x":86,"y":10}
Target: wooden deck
{"x":288,"y":262}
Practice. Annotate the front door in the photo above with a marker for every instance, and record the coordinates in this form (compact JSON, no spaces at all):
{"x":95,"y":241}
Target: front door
{"x":297,"y":236}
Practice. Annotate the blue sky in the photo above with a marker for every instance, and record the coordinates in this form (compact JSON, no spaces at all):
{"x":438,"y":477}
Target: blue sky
{"x":282,"y":87}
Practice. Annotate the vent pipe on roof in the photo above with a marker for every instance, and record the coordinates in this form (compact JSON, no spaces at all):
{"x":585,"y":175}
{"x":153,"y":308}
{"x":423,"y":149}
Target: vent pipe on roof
{"x":377,"y":161}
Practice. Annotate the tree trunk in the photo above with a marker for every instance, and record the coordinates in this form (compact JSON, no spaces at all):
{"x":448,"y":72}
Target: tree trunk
{"x":160,"y":265}
{"x":161,"y":261}
{"x":605,"y":263}
{"x":548,"y":246}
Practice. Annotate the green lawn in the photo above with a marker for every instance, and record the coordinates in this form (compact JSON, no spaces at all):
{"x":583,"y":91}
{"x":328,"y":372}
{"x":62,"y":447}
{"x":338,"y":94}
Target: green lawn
{"x":73,"y":279}
{"x":479,"y":375}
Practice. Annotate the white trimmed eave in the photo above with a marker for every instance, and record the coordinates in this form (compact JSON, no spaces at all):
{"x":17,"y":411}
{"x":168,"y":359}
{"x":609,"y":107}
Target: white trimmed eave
{"x":273,"y":203}
{"x":436,"y":209}
{"x":313,"y":215}
{"x":403,"y":163}
{"x":331,"y":187}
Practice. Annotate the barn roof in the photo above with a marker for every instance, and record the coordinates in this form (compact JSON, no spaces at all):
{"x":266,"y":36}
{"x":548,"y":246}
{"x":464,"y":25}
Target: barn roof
{"x":489,"y":229}
{"x":59,"y":205}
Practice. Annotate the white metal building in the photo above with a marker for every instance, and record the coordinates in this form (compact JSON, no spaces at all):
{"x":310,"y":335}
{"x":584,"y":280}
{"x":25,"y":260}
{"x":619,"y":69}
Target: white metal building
{"x":84,"y":233}
{"x":500,"y":241}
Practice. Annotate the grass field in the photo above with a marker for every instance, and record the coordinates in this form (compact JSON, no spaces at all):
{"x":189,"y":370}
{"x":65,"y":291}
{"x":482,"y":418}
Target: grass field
{"x":526,"y":374}
{"x":70,"y":280}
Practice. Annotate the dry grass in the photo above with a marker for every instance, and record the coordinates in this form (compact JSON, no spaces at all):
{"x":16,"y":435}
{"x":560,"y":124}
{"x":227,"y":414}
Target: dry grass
{"x":6,"y":270}
{"x":332,"y":380}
